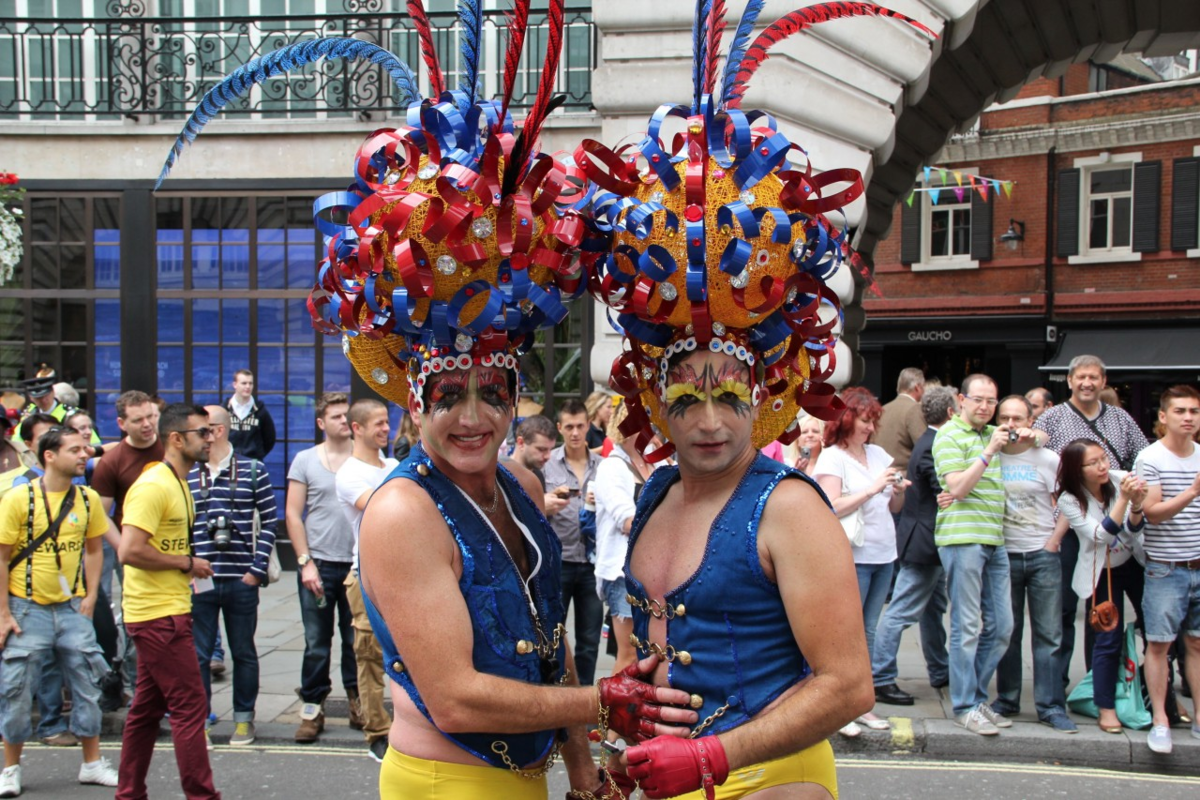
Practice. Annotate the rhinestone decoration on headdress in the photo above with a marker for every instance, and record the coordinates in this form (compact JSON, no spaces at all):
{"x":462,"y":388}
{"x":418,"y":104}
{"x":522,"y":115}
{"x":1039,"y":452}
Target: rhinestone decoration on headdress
{"x":458,"y":239}
{"x":720,"y":242}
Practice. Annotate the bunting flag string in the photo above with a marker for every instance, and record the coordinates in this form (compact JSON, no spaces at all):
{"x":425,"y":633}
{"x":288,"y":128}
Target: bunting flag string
{"x":963,"y":184}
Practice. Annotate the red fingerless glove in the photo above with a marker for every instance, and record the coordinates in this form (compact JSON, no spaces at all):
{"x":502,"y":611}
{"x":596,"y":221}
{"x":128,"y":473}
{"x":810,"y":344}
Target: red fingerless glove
{"x":632,"y":707}
{"x":666,"y":766}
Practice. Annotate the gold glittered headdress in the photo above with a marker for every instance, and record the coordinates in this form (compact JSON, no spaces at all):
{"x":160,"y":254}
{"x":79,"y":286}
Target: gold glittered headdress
{"x":719,"y":242}
{"x":458,"y":239}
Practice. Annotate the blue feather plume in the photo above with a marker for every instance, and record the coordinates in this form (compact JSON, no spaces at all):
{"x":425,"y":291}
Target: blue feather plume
{"x":277,"y":62}
{"x":470,"y":18}
{"x":699,"y":48}
{"x":741,"y":42}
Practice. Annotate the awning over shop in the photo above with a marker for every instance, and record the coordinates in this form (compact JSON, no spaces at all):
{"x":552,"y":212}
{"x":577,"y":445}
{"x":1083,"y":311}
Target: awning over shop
{"x":1130,"y":349}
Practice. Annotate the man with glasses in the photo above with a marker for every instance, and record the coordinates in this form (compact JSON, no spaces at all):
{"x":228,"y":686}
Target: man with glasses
{"x":160,"y":566}
{"x":969,"y":533}
{"x":229,"y":491}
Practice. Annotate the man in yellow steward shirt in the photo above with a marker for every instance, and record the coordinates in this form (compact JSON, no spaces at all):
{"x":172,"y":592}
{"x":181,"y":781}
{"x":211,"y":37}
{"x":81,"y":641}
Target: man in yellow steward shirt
{"x":50,"y":559}
{"x":161,"y":572}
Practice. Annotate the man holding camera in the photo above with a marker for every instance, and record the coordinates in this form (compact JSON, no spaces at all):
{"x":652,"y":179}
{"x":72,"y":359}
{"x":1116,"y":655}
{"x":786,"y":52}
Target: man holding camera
{"x":1030,"y":475}
{"x":568,"y":472}
{"x":229,"y":491}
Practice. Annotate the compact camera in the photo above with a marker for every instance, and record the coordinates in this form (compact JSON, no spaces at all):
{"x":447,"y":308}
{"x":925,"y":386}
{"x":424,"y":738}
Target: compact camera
{"x":898,"y":478}
{"x":1013,"y":436}
{"x":806,"y":452}
{"x":220,"y":530}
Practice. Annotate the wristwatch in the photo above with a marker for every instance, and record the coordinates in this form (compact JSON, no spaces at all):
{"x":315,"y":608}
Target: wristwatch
{"x":304,"y":559}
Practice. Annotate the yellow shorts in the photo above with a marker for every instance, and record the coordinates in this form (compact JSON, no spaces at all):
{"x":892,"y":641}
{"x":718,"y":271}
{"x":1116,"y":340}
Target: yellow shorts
{"x":814,"y":765}
{"x":407,"y":778}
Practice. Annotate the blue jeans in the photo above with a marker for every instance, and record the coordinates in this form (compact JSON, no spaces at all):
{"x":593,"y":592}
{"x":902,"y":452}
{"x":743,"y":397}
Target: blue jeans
{"x":980,"y":619}
{"x":1171,"y":602}
{"x":50,"y":699}
{"x":578,"y":583}
{"x":50,"y":632}
{"x":238,"y":603}
{"x":874,"y":581}
{"x":315,"y":683}
{"x":919,"y":595}
{"x":1038,"y":576}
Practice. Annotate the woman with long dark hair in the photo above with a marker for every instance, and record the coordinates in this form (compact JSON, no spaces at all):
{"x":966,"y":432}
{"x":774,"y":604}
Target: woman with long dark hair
{"x":857,"y":476}
{"x":1104,"y":508}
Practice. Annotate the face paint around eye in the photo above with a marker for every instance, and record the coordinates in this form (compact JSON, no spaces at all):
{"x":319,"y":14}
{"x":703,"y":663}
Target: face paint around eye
{"x":493,"y":388}
{"x":448,"y":390}
{"x":682,"y":396}
{"x":736,"y":394}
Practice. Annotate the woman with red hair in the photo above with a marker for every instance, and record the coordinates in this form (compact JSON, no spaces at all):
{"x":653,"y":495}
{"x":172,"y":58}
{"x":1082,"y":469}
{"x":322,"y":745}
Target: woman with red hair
{"x":859,"y":480}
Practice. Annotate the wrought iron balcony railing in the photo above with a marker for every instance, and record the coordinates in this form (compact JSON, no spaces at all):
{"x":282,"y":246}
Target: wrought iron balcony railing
{"x":158,"y":68}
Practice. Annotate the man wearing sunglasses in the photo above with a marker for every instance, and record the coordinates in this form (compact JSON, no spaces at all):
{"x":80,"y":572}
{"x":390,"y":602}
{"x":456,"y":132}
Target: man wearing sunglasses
{"x":969,"y":534}
{"x":160,"y":566}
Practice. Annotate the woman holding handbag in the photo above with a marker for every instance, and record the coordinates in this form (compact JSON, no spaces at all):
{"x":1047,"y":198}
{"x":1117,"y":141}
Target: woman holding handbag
{"x":1104,"y":508}
{"x":865,"y":490}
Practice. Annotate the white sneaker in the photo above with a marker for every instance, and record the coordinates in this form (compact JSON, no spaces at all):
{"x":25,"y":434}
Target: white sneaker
{"x":851,"y":730}
{"x":994,"y":717}
{"x":1158,"y":740}
{"x":976,"y":722}
{"x":98,"y":773}
{"x":10,"y":781}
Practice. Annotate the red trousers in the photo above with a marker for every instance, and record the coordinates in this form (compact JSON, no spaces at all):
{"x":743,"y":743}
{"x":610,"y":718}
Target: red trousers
{"x":168,"y":681}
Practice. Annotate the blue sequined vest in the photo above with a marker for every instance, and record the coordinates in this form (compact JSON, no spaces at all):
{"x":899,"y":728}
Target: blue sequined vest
{"x":501,"y":622}
{"x":728,"y":635}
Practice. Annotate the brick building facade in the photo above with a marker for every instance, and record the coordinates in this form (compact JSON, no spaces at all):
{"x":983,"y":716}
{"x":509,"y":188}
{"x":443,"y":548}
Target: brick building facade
{"x":1106,"y":199}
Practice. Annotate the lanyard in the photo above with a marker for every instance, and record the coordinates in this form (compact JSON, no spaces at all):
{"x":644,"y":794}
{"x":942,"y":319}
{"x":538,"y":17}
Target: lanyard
{"x":189,"y":509}
{"x":50,"y":522}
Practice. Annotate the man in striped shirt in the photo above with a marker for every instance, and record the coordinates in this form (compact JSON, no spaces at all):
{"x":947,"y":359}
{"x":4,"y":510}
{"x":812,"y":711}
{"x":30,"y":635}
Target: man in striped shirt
{"x":228,"y":491}
{"x":969,"y":534}
{"x":1171,"y":601}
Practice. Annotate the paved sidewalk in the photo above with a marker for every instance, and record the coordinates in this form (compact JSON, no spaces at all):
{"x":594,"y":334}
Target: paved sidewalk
{"x":925,"y":729}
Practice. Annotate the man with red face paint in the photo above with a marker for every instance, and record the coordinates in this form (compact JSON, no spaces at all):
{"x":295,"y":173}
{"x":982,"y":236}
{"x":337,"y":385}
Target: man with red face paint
{"x":464,"y":597}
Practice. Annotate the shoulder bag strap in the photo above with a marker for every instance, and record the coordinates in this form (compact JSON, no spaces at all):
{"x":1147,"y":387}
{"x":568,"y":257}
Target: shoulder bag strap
{"x":1091,"y":423}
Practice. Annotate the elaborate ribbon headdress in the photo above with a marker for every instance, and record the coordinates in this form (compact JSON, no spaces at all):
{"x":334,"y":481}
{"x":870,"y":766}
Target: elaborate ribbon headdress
{"x":458,"y":239}
{"x":719,"y":242}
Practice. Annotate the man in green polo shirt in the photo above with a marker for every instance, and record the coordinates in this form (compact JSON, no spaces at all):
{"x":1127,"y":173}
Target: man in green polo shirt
{"x":969,"y":534}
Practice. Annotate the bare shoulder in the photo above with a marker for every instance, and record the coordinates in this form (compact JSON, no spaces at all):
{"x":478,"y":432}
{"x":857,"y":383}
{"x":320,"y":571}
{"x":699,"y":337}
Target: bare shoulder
{"x":529,"y":482}
{"x":402,"y":519}
{"x":799,"y":529}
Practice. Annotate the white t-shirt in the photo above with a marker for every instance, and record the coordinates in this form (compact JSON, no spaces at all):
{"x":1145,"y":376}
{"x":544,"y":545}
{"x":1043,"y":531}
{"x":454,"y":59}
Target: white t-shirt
{"x":1178,"y":538}
{"x":614,"y":487}
{"x":879,"y":545}
{"x":355,"y":477}
{"x":1029,"y":482}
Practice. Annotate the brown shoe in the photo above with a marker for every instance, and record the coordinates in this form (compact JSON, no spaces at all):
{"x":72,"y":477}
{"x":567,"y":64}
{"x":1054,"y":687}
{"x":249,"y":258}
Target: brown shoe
{"x":312,"y":722}
{"x":356,"y":717}
{"x":64,"y":739}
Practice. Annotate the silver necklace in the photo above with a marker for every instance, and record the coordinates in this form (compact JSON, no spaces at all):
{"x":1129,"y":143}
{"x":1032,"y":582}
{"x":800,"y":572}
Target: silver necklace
{"x":491,"y":509}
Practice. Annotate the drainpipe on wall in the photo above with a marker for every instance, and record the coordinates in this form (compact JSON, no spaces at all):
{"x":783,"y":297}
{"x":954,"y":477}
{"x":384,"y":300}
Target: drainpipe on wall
{"x":1051,"y":174}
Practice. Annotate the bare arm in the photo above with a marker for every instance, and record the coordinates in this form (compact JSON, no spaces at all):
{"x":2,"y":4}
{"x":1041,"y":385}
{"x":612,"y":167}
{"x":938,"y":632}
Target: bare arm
{"x":112,"y":536}
{"x":808,"y":556}
{"x":136,"y":551}
{"x":1159,"y":510}
{"x":413,"y":581}
{"x":960,"y":484}
{"x":293,"y":517}
{"x":8,"y":625}
{"x":93,"y":562}
{"x":108,"y":503}
{"x":847,"y":504}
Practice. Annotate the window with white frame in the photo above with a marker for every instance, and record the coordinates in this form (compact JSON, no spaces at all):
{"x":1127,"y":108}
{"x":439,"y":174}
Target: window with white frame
{"x":950,"y":231}
{"x":1109,"y":205}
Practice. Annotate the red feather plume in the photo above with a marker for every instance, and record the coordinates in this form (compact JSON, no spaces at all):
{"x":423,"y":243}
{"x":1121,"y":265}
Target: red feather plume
{"x":541,"y":104}
{"x":518,"y":23}
{"x":716,"y":28}
{"x":437,"y":81}
{"x":797,"y":21}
